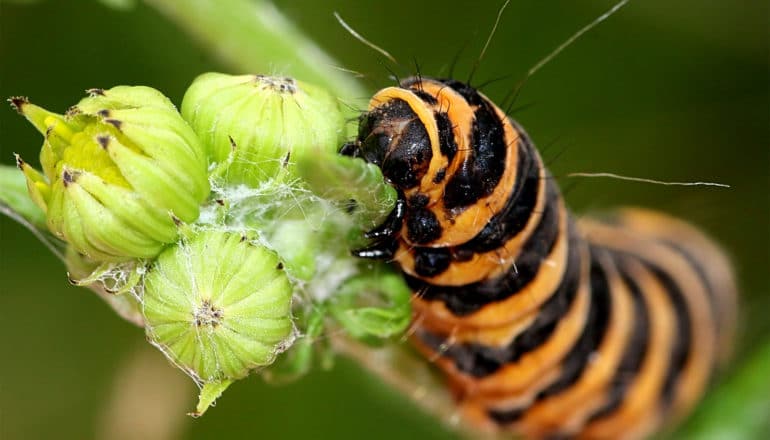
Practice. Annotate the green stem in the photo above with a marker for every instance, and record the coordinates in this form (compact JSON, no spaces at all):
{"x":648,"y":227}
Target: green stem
{"x":253,"y":36}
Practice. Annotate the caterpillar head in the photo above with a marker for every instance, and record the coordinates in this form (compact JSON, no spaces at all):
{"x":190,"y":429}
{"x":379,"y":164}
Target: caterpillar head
{"x":393,"y":137}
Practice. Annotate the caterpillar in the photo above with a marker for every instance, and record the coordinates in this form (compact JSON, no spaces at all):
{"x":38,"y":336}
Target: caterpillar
{"x":544,"y":325}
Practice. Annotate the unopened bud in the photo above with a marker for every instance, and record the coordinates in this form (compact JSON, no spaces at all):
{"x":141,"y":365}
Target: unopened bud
{"x":119,"y":169}
{"x":256,"y":127}
{"x":218,"y":305}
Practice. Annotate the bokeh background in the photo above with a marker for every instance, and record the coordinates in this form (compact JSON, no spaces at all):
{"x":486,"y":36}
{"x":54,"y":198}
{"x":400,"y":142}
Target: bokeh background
{"x":663,"y":90}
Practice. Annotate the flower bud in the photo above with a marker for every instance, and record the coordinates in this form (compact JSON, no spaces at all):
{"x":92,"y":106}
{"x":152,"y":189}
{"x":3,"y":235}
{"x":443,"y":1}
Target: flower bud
{"x":119,"y":170}
{"x":218,"y":305}
{"x":255,"y":127}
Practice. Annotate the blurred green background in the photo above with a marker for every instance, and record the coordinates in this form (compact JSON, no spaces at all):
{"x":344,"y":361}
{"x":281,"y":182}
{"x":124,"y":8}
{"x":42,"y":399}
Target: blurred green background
{"x":663,"y":90}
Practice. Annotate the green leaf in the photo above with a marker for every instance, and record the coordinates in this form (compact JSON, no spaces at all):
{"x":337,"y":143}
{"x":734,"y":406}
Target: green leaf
{"x":739,"y":408}
{"x":16,"y":204}
{"x":375,"y":322}
{"x":209,"y":394}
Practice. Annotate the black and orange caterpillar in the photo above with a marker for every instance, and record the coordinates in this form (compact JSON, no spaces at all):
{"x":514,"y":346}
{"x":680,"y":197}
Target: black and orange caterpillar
{"x":544,"y":325}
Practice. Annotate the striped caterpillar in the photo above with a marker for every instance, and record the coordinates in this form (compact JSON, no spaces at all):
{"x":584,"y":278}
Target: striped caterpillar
{"x":544,"y":325}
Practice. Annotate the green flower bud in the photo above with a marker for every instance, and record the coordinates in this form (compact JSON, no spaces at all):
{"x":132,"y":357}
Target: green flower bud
{"x":218,"y":305}
{"x":256,"y":127}
{"x":119,"y":169}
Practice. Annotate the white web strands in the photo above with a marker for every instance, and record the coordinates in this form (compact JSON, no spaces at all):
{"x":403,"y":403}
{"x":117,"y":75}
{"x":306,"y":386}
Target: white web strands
{"x":255,"y":213}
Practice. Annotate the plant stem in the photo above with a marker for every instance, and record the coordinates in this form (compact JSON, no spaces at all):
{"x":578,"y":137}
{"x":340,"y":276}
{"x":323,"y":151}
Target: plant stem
{"x":408,"y":373}
{"x":253,"y":36}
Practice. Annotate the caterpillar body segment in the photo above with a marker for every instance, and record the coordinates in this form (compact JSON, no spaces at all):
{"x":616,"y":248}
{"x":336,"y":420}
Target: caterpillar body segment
{"x":544,"y":325}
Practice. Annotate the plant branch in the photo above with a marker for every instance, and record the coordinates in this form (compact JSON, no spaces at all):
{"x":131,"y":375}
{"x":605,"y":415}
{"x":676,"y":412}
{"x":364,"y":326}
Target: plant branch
{"x":253,"y":36}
